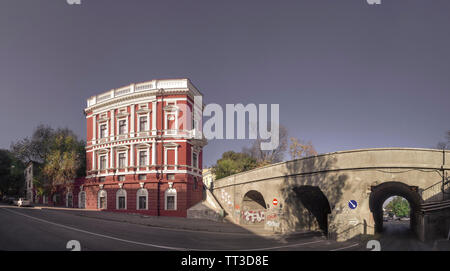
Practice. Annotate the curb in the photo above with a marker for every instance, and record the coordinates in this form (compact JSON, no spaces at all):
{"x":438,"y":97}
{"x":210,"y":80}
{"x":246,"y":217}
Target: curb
{"x":263,"y":234}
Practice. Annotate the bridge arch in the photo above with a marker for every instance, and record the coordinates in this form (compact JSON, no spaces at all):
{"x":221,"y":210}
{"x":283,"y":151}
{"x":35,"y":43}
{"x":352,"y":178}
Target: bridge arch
{"x":253,"y":208}
{"x":382,"y":192}
{"x":316,"y":203}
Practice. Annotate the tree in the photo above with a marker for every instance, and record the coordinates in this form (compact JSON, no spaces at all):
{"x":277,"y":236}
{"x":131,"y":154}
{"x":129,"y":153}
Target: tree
{"x":444,"y":145}
{"x":60,"y":155}
{"x":63,"y":161}
{"x":300,"y":148}
{"x":233,"y":163}
{"x":5,"y":169}
{"x":12,"y":179}
{"x":399,"y":206}
{"x":265,"y":157}
{"x":35,"y":148}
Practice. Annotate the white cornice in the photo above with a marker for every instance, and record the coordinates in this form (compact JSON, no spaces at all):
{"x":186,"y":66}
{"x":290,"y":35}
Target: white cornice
{"x":150,"y":88}
{"x":171,"y":108}
{"x":171,"y":145}
{"x":143,"y":111}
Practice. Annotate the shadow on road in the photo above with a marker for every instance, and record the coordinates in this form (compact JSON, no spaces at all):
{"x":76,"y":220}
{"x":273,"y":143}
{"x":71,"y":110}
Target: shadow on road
{"x":50,"y":229}
{"x":398,"y":236}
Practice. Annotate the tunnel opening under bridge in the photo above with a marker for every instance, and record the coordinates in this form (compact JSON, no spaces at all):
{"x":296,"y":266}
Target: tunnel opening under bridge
{"x":316,"y":204}
{"x":253,"y":209}
{"x":378,"y":202}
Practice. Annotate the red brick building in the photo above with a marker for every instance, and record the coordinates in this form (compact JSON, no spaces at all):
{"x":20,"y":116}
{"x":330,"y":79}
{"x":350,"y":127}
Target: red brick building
{"x":144,"y":149}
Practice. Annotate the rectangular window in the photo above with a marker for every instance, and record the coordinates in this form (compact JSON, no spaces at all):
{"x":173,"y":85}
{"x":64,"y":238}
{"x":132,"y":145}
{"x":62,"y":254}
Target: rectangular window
{"x":171,"y":177}
{"x":194,"y":160}
{"x":142,"y":177}
{"x":171,"y":124}
{"x":142,"y":124}
{"x":170,"y":202}
{"x":102,"y":179}
{"x":142,"y":202}
{"x":122,"y":160}
{"x":195,"y":184}
{"x":142,"y":158}
{"x":122,"y":127}
{"x":103,"y":131}
{"x":69,"y":200}
{"x":103,"y":162}
{"x":121,"y":178}
{"x":121,"y":202}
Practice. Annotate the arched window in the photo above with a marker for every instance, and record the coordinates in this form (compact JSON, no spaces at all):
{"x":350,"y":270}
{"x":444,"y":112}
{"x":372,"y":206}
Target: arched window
{"x":69,"y":200}
{"x":142,"y":199}
{"x":121,"y":199}
{"x":102,"y":199}
{"x":56,"y":199}
{"x":82,"y":200}
{"x":170,"y":202}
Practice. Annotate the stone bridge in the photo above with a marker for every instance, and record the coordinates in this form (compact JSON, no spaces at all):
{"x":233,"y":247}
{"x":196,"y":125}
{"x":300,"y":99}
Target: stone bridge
{"x":313,"y":193}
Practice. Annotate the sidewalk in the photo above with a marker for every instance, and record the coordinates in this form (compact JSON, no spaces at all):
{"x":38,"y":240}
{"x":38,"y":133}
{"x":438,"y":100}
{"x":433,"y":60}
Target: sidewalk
{"x":174,"y":223}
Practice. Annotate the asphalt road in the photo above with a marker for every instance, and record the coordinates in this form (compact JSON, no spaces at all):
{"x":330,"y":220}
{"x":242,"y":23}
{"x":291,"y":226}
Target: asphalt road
{"x":28,"y":229}
{"x":397,"y":236}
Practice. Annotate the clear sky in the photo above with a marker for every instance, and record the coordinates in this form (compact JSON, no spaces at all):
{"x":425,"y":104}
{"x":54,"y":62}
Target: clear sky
{"x":346,"y":74}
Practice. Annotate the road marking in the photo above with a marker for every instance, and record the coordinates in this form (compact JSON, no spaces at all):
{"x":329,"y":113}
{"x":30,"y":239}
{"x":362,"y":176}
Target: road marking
{"x":342,"y":248}
{"x":293,"y":245}
{"x":148,"y":244}
{"x":95,"y":234}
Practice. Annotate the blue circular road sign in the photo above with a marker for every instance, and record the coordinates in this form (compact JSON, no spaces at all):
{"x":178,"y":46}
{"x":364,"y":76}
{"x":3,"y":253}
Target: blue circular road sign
{"x":352,"y":204}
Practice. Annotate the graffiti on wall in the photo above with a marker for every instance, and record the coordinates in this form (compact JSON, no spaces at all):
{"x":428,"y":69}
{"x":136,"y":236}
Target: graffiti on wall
{"x":273,"y":219}
{"x":272,"y":216}
{"x":226,"y":199}
{"x":273,"y":224}
{"x":253,"y":216}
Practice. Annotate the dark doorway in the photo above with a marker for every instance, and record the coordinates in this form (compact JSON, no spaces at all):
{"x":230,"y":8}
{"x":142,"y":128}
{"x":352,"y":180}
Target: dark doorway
{"x":316,"y":203}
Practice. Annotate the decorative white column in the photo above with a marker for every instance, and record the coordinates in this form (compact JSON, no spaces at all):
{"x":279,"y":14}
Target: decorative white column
{"x":94,"y":157}
{"x":154,"y":113}
{"x":165,"y":158}
{"x":154,"y":153}
{"x":176,"y":157}
{"x":176,"y":119}
{"x":132,"y":155}
{"x":148,"y":157}
{"x":94,"y":128}
{"x":132,"y":120}
{"x":111,"y":155}
{"x":113,"y":121}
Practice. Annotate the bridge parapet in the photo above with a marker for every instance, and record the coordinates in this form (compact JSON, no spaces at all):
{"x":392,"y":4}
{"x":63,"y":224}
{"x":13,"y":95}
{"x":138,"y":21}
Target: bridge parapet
{"x":436,"y":192}
{"x":390,"y":158}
